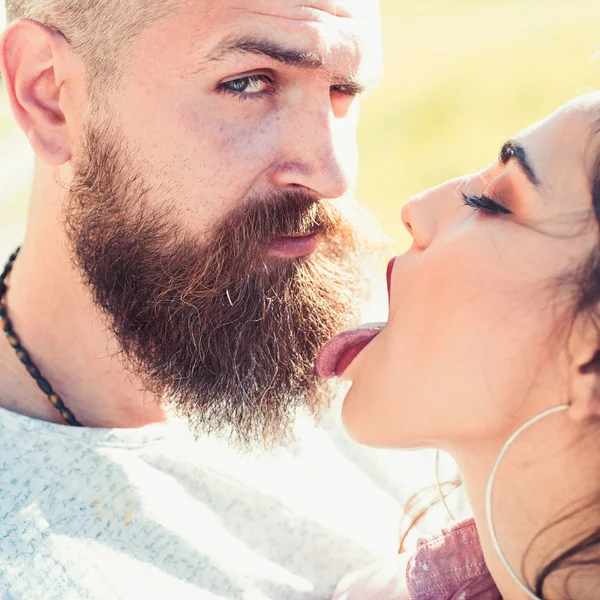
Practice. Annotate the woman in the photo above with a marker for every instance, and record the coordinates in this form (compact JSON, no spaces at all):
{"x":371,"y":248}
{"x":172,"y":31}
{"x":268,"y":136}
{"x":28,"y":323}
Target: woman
{"x":494,"y":326}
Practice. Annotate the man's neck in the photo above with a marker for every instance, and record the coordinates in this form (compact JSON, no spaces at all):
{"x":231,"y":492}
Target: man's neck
{"x":53,"y":314}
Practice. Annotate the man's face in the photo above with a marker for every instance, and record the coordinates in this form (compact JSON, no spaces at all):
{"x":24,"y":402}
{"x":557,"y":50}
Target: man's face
{"x":205,"y":208}
{"x":236,"y":98}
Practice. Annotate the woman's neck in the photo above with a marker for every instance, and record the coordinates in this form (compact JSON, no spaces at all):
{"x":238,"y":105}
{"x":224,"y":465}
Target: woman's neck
{"x":545,"y":475}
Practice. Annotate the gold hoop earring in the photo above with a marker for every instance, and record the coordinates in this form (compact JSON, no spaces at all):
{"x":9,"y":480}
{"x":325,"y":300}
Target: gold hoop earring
{"x":490,"y":489}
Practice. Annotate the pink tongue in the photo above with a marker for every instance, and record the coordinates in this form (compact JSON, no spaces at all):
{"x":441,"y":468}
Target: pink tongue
{"x":337,"y":354}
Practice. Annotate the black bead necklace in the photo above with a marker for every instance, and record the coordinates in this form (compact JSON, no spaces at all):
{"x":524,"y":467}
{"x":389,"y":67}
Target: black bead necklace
{"x":23,"y":355}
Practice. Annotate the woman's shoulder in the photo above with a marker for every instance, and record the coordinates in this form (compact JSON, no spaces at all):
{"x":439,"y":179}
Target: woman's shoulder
{"x":446,"y":566}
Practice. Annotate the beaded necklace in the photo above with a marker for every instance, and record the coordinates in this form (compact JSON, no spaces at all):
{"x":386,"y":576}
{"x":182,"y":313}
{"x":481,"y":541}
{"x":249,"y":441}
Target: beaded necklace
{"x":23,"y":355}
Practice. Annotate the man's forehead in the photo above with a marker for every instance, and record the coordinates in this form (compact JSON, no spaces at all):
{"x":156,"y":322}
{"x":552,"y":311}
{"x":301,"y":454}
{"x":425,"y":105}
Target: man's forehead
{"x":311,"y":27}
{"x":317,"y":10}
{"x":353,"y":19}
{"x":207,"y":35}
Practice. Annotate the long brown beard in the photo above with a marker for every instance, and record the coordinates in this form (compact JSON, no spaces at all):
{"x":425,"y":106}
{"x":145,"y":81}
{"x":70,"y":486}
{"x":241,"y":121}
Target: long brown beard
{"x":227,"y":335}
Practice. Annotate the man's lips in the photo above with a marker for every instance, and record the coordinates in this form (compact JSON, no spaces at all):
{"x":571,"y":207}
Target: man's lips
{"x":295,"y":246}
{"x":338,"y":354}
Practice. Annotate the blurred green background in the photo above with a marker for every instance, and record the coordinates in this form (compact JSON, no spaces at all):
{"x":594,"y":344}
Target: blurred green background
{"x":462,"y":76}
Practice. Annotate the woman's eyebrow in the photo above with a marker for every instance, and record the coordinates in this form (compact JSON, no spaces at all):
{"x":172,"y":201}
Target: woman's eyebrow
{"x":513,"y":150}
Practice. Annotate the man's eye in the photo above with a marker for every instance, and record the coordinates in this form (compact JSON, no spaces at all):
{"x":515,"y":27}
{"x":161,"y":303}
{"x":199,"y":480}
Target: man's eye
{"x":485,"y":204}
{"x":347,"y":90}
{"x":247,"y":86}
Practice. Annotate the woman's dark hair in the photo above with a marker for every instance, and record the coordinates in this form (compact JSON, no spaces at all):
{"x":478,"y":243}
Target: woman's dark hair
{"x":416,"y":510}
{"x":583,"y":553}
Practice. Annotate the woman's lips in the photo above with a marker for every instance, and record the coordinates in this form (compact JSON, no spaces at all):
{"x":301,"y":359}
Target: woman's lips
{"x":339,"y":352}
{"x":390,"y":270}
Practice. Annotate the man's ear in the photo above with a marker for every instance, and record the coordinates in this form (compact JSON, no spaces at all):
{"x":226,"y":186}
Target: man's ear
{"x":585,"y":373}
{"x":30,"y":59}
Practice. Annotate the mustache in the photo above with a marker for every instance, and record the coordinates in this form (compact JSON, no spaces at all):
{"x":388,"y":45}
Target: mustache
{"x":239,"y":245}
{"x":277,"y":214}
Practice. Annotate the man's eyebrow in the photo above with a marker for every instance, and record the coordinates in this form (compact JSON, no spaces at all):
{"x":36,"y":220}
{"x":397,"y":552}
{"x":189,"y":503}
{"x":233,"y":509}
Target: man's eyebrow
{"x":248,"y":45}
{"x":513,"y":150}
{"x":264,"y":47}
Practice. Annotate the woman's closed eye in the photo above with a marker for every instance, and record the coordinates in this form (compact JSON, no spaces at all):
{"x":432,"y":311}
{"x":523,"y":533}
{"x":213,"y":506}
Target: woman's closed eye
{"x":485,"y":204}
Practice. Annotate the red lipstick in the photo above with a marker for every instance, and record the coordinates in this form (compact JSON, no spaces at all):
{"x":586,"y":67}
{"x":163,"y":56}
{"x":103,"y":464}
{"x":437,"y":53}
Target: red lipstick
{"x":390,"y":270}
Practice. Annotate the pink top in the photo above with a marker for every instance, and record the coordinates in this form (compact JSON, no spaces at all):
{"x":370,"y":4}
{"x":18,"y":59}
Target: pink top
{"x":447,"y":566}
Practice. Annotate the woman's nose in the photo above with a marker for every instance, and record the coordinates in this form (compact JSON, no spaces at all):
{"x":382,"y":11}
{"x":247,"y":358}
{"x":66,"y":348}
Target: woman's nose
{"x":419,"y":220}
{"x":427,"y":215}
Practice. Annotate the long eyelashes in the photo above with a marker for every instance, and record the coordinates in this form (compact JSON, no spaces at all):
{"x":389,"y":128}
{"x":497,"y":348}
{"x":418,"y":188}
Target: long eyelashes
{"x":485,"y":204}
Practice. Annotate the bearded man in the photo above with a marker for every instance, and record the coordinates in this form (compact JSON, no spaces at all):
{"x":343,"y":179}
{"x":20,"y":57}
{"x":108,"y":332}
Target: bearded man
{"x":188,"y":251}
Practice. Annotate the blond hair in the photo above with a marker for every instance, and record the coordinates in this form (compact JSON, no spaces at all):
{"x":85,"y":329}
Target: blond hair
{"x":100,"y":31}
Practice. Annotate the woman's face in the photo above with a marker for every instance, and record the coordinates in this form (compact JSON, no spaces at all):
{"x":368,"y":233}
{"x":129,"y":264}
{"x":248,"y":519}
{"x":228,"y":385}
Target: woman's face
{"x":471,"y":348}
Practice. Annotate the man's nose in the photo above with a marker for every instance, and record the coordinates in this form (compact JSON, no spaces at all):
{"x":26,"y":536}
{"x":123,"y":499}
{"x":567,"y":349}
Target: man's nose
{"x":318,"y":154}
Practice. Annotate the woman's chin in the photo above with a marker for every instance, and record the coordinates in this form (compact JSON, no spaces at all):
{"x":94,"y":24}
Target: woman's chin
{"x":360,"y":426}
{"x":368,"y":426}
